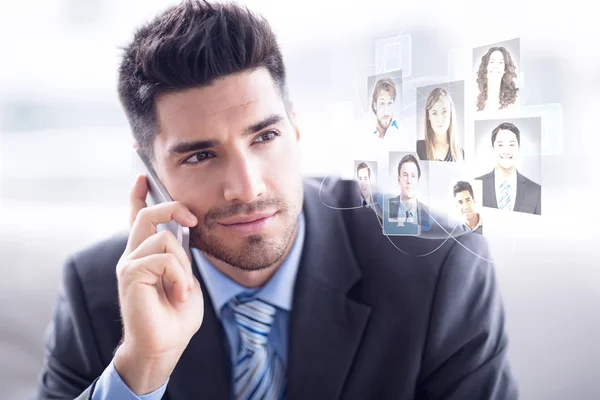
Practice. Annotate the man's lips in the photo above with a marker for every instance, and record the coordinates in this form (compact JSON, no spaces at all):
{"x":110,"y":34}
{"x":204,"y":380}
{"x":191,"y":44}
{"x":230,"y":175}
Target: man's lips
{"x":246,"y":219}
{"x":249,"y":224}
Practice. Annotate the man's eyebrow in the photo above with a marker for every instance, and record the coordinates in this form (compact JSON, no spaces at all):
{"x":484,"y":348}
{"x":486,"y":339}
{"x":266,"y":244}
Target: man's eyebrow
{"x":187,"y":147}
{"x":199,"y":145}
{"x":259,"y":126}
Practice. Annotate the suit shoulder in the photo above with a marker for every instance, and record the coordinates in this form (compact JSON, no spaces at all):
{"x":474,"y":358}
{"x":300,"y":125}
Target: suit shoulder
{"x":485,"y":176}
{"x":97,"y":262}
{"x":531,"y":183}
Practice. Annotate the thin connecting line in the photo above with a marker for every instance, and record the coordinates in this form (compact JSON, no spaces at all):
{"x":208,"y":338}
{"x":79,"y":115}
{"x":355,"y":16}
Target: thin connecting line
{"x":450,"y":234}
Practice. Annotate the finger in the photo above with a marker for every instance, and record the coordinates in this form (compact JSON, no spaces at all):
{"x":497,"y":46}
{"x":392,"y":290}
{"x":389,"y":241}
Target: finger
{"x":150,"y":269}
{"x":137,"y":197}
{"x":164,"y":242}
{"x":148,"y":218}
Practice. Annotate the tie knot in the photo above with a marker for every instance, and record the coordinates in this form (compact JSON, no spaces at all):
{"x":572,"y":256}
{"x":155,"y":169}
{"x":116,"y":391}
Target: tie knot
{"x":505,"y":185}
{"x":254,"y":318}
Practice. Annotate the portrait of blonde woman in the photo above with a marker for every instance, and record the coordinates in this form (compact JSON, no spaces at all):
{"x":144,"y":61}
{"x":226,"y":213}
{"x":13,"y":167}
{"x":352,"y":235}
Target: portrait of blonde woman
{"x":439,"y":143}
{"x":497,"y":81}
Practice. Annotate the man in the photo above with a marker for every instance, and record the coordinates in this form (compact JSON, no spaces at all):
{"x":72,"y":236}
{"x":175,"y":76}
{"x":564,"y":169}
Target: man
{"x":505,"y":188}
{"x":411,"y":215}
{"x":382,"y":105}
{"x":283,"y":297}
{"x":466,"y":205}
{"x":363,"y":174}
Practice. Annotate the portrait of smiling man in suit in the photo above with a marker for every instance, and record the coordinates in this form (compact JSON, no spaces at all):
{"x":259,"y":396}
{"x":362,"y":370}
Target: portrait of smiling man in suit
{"x":505,"y":187}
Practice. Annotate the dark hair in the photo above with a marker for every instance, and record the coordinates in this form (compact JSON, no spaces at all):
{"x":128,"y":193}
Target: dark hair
{"x":363,"y":165}
{"x":409,"y":158}
{"x":383,"y":84}
{"x":509,"y":127}
{"x":191,"y":45}
{"x":508,"y":88}
{"x":461,"y":186}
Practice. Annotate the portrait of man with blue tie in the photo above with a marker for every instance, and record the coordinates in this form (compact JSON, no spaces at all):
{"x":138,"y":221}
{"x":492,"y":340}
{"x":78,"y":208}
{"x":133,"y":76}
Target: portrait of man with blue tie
{"x":505,"y":188}
{"x":406,"y":215}
{"x":289,"y":291}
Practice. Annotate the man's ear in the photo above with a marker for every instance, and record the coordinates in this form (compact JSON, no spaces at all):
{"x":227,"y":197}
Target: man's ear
{"x":135,"y":145}
{"x":293,"y":119}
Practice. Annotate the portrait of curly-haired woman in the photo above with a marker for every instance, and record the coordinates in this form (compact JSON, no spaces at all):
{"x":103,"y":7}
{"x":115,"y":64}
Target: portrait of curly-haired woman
{"x":496,"y":80}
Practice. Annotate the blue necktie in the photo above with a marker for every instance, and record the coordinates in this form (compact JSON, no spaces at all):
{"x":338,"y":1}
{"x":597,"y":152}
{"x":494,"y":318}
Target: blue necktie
{"x":259,"y":372}
{"x":504,"y":202}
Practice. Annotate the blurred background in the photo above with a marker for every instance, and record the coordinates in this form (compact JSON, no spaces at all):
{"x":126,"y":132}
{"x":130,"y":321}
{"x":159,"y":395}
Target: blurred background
{"x":65,"y":153}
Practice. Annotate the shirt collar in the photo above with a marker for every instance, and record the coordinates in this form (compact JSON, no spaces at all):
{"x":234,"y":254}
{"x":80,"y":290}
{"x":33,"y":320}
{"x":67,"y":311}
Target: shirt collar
{"x":369,"y":198}
{"x":393,"y":124}
{"x":512,"y":179}
{"x":479,"y":223}
{"x":277,"y":291}
{"x":408,"y":206}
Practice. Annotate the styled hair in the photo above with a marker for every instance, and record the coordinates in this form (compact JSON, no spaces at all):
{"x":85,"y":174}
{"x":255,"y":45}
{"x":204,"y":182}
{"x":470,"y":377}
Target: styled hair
{"x":407,"y":159}
{"x":386,"y":84}
{"x":190,"y":45}
{"x":508,"y":87}
{"x":509,"y":127}
{"x":461,"y":186}
{"x":435,"y":95}
{"x":363,"y":165}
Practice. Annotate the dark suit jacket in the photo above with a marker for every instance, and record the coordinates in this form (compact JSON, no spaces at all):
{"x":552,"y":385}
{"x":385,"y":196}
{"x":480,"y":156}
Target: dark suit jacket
{"x":367,"y":321}
{"x":528,"y":198}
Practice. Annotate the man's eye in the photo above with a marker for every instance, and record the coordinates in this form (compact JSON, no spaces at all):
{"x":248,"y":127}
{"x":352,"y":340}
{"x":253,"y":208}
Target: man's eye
{"x":198,"y":158}
{"x":266,"y":137}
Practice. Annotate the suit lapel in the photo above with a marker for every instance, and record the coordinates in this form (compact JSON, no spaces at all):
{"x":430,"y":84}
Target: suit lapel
{"x":204,"y":370}
{"x":521,"y":183}
{"x":326,"y":326}
{"x":489,"y":188}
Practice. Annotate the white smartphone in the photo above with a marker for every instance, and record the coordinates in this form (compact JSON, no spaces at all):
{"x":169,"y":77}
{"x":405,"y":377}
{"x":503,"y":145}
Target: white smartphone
{"x":158,"y":194}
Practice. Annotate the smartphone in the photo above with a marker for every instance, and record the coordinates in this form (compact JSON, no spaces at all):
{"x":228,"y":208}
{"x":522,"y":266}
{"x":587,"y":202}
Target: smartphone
{"x":158,"y":194}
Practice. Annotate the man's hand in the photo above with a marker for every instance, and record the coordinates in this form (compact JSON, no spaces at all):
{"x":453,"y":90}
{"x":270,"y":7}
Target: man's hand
{"x":161,"y":301}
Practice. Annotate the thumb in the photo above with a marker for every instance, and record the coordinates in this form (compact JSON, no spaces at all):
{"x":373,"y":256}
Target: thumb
{"x":137,"y":197}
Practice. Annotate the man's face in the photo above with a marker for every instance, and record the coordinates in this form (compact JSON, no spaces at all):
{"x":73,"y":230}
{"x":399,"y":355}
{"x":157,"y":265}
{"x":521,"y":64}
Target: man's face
{"x":496,"y":67}
{"x":506,"y":149}
{"x":383,"y":109}
{"x":465,"y":204}
{"x":408,"y":180}
{"x":364,"y":182}
{"x":230,"y":154}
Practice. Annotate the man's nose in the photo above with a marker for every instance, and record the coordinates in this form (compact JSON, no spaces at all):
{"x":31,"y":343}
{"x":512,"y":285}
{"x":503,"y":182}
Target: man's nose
{"x":243,"y":179}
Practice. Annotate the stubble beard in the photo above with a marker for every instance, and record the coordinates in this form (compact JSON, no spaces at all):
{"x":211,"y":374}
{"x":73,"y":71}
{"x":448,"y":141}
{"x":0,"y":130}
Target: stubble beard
{"x":256,"y":252}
